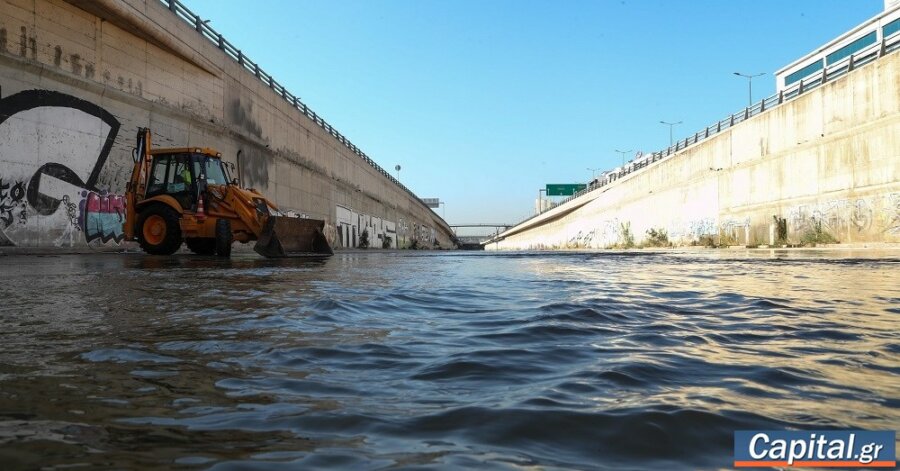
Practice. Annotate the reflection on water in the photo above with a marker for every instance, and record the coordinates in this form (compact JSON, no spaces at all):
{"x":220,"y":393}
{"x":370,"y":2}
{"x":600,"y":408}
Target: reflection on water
{"x":372,"y":360}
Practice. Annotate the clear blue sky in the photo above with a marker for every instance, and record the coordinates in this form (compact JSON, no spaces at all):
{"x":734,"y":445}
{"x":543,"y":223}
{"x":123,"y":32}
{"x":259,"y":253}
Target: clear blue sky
{"x":482,"y":102}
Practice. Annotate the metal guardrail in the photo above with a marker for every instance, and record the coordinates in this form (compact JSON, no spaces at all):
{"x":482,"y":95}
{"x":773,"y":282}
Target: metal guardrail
{"x":230,"y":50}
{"x":812,"y":81}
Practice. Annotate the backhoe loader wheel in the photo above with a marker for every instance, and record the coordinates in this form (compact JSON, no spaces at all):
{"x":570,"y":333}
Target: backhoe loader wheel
{"x":224,"y":238}
{"x":201,"y":245}
{"x":158,"y":230}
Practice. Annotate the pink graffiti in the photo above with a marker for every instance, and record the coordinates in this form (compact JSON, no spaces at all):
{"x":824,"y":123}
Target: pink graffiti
{"x":101,"y":216}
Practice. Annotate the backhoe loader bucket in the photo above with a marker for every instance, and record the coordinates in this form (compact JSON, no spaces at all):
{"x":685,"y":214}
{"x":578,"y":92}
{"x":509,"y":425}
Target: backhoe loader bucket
{"x":293,"y":237}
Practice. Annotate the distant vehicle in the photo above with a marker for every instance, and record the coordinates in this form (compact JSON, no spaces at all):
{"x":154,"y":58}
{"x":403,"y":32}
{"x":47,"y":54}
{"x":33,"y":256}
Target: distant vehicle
{"x":185,"y":195}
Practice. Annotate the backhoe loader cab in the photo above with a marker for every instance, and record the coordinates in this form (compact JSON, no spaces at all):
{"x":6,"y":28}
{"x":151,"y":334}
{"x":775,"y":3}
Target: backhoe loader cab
{"x":186,"y":195}
{"x":179,"y":173}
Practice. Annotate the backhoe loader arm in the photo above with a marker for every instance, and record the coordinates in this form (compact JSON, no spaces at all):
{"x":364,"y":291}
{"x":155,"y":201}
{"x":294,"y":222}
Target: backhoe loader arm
{"x":136,"y":186}
{"x":245,"y":206}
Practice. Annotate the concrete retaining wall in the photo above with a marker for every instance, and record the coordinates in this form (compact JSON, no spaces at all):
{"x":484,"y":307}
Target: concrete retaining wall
{"x":79,"y":77}
{"x":826,"y":166}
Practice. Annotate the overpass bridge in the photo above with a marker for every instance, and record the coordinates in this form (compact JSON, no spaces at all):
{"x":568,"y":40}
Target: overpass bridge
{"x":476,"y":241}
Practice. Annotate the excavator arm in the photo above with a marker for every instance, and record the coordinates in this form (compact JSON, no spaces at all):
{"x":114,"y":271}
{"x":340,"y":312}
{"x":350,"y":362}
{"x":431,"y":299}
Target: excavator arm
{"x":136,"y":185}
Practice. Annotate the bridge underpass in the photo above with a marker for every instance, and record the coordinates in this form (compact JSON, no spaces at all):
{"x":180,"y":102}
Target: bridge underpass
{"x":473,"y":236}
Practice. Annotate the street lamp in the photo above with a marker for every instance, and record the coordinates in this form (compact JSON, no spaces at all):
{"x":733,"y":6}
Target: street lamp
{"x":397,"y":168}
{"x":443,"y":211}
{"x":750,"y":84}
{"x":623,"y":152}
{"x":594,"y":172}
{"x":540,"y":207}
{"x":670,"y":125}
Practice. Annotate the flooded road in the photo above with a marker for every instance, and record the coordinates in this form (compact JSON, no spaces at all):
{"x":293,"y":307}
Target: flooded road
{"x":414,"y":359}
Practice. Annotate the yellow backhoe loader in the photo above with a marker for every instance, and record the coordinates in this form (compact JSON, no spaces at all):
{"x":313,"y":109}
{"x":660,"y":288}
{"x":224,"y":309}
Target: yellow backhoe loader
{"x":186,"y":195}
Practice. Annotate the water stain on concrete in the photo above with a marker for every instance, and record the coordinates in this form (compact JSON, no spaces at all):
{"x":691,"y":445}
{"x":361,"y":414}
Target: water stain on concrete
{"x":23,"y":42}
{"x":253,"y":164}
{"x":57,"y":56}
{"x":243,"y":117}
{"x":75,"y":60}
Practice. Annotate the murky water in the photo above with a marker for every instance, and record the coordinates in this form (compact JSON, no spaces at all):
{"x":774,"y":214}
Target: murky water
{"x":380,"y":360}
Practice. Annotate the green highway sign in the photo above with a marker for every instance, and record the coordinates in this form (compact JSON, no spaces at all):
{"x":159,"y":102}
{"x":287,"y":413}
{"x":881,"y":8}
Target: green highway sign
{"x":564,"y":189}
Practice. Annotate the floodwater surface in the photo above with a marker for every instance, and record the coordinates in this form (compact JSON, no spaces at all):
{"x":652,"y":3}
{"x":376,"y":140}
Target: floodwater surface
{"x":439,"y":360}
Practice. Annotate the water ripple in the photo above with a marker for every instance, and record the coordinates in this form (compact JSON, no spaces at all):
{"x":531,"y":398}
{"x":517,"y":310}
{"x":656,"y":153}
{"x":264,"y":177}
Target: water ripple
{"x":435,"y":360}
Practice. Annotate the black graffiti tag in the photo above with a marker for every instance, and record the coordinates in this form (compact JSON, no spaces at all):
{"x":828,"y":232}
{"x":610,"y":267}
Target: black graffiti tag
{"x":31,"y":99}
{"x":17,"y":192}
{"x":6,"y":206}
{"x":17,"y":195}
{"x":12,"y":196}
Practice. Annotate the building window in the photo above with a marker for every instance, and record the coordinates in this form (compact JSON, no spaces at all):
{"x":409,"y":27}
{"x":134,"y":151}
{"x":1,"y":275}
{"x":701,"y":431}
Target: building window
{"x":804,"y":72}
{"x":851,"y":48}
{"x":891,"y":28}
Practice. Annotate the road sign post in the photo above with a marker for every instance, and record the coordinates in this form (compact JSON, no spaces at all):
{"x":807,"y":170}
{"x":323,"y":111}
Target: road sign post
{"x":564,"y":189}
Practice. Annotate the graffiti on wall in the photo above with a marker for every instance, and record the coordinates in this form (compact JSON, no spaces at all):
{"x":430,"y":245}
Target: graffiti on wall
{"x":848,"y":217}
{"x":846,"y":220}
{"x":101,"y":216}
{"x":803,"y":218}
{"x":734,"y":231}
{"x":381,"y":233}
{"x":893,"y":214}
{"x":860,"y":215}
{"x":53,"y":147}
{"x":833,"y":216}
{"x":606,"y":233}
{"x":12,"y":203}
{"x":350,"y":225}
{"x":423,"y":235}
{"x":609,"y":232}
{"x":692,"y":230}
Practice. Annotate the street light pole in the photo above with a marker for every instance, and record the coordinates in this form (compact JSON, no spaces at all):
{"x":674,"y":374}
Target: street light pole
{"x":750,"y":84}
{"x":397,"y":168}
{"x":670,"y":125}
{"x":540,"y":208}
{"x":443,"y":210}
{"x":623,"y":152}
{"x":593,"y":172}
